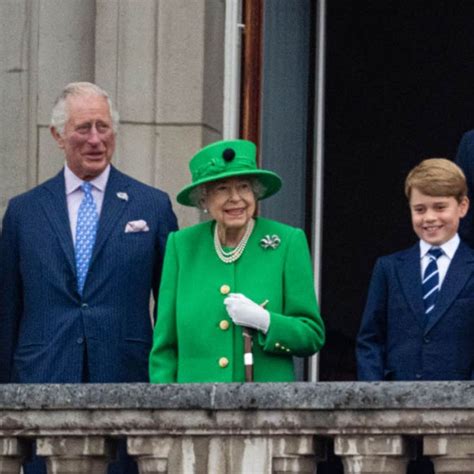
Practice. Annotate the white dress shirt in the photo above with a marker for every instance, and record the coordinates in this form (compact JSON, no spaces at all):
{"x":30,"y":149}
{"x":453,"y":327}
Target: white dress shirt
{"x":449,"y":249}
{"x":74,"y":194}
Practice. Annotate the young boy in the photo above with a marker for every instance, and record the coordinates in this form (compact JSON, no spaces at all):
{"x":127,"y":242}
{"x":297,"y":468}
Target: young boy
{"x":418,"y":322}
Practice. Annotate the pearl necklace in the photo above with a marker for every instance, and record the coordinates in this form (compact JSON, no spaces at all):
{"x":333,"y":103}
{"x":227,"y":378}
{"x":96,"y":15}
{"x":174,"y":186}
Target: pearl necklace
{"x":234,"y":254}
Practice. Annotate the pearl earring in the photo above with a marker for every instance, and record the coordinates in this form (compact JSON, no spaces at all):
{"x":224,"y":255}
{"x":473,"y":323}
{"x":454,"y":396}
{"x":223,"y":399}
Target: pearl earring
{"x":205,"y":211}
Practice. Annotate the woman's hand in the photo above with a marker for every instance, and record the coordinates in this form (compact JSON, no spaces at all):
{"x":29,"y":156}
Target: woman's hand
{"x":244,"y":312}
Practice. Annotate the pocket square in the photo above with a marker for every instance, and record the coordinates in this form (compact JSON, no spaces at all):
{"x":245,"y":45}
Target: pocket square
{"x":136,"y":226}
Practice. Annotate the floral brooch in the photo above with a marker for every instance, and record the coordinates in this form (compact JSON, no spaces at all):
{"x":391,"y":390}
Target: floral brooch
{"x":270,"y":242}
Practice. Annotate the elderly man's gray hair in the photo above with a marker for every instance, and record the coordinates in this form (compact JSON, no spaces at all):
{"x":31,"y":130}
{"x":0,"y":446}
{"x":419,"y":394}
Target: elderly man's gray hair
{"x":60,"y":114}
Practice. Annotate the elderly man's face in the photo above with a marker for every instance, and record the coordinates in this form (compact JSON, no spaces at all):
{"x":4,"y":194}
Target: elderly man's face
{"x":88,"y":140}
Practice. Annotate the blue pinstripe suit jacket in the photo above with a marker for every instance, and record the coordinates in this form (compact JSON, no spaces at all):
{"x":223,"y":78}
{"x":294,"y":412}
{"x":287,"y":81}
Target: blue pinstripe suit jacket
{"x":44,"y":322}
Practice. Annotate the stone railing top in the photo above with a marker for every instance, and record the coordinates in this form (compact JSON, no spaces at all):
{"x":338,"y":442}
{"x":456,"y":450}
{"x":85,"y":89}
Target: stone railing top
{"x":252,"y":396}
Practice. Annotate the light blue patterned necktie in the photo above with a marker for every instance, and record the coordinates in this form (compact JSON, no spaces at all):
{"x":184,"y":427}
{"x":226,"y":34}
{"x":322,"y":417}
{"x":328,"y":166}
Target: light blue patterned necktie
{"x":86,"y":231}
{"x":430,"y":283}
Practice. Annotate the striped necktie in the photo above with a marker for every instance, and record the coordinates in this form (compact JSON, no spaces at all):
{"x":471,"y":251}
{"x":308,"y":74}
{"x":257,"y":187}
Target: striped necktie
{"x":430,"y":282}
{"x":86,"y":231}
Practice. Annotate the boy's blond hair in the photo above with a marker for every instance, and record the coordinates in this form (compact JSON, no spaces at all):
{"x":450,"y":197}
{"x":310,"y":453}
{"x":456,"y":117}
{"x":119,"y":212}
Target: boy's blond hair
{"x":437,"y":177}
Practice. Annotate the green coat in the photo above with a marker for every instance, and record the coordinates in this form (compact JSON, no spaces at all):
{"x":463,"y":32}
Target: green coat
{"x":191,"y":339}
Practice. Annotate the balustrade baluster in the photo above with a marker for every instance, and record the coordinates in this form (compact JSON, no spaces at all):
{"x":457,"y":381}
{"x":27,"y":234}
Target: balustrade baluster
{"x":12,"y":452}
{"x":373,"y":454}
{"x":450,"y":454}
{"x":75,"y":454}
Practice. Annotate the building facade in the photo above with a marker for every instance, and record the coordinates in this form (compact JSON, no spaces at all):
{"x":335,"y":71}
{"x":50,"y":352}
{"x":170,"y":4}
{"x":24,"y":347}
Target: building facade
{"x":366,"y":89}
{"x":162,"y":63}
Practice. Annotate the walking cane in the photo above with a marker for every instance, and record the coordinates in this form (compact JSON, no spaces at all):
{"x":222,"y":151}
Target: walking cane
{"x":248,"y":355}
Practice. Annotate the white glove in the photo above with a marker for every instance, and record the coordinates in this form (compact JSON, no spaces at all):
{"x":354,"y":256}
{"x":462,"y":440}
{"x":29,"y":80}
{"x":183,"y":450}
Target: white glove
{"x":245,"y":312}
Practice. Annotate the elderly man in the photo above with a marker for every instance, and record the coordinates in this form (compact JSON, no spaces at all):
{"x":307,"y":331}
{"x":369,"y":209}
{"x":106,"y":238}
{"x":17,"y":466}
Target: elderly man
{"x":80,"y":256}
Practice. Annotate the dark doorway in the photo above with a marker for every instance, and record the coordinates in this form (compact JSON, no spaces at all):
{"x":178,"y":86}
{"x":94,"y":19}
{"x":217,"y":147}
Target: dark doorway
{"x":399,"y":88}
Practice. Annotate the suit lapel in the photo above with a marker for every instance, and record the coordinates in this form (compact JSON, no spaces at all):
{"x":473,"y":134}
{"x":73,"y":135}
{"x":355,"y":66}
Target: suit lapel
{"x":54,"y":204}
{"x":112,"y":209}
{"x":409,"y":274}
{"x":459,"y":271}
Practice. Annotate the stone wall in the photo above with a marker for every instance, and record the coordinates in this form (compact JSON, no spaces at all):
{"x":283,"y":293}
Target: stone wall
{"x":240,"y":428}
{"x":162,"y":62}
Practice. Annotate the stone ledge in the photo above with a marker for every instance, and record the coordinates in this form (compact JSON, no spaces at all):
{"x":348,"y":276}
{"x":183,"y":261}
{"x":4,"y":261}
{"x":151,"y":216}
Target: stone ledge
{"x":255,"y":396}
{"x":148,"y":422}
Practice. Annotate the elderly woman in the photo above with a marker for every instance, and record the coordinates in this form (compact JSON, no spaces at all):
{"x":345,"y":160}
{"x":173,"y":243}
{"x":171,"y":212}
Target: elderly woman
{"x":232,"y":278}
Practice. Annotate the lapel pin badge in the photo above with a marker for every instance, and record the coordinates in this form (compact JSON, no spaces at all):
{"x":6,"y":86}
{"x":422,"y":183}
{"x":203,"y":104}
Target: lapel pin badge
{"x":122,"y":196}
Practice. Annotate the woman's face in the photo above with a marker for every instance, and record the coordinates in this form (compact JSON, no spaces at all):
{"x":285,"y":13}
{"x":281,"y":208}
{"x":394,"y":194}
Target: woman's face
{"x":231,"y":202}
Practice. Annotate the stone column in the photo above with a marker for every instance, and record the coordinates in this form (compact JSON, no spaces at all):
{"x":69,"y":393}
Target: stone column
{"x":75,"y":454}
{"x":12,"y":452}
{"x":64,"y":51}
{"x":453,"y":454}
{"x":151,"y":453}
{"x":163,"y":63}
{"x":17,"y":22}
{"x":373,"y":454}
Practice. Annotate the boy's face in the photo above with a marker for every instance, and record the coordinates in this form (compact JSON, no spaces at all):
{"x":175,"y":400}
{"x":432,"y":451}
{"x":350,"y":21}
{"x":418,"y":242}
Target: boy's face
{"x":435,"y":219}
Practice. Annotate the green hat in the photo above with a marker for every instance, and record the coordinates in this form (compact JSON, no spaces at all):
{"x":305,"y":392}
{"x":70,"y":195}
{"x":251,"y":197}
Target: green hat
{"x":227,"y":159}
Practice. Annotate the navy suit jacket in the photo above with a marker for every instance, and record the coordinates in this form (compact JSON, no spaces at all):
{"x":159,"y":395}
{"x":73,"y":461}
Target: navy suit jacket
{"x":44,"y":323}
{"x":393,"y":342}
{"x":465,"y":159}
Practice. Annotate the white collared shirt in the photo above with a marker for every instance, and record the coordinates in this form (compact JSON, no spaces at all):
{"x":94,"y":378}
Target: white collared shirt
{"x":449,"y":249}
{"x":74,"y":194}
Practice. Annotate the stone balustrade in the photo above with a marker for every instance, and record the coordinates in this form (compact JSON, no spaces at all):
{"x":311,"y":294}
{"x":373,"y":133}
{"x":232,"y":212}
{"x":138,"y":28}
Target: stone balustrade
{"x":239,"y":428}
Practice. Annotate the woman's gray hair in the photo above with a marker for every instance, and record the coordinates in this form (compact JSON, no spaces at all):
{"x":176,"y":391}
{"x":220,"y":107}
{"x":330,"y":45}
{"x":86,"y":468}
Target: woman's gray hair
{"x":199,"y":193}
{"x":60,"y":114}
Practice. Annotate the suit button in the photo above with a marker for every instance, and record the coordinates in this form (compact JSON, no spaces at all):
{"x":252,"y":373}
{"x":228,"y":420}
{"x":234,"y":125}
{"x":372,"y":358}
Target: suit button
{"x":418,"y":376}
{"x":80,"y":340}
{"x":426,"y":340}
{"x":224,"y":325}
{"x":84,"y":305}
{"x":225,"y":289}
{"x":223,"y":362}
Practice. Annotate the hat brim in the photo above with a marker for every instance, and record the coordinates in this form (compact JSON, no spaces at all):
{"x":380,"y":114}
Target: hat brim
{"x":269,"y":180}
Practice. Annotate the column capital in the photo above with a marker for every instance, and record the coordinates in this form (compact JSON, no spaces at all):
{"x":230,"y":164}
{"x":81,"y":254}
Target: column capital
{"x":379,"y":454}
{"x":70,"y":454}
{"x":12,"y":453}
{"x":450,"y":453}
{"x":150,"y":452}
{"x":296,"y":454}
